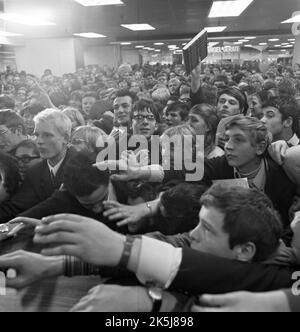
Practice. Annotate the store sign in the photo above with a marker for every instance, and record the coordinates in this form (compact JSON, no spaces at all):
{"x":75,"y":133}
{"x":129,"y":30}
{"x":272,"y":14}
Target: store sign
{"x":296,"y":26}
{"x":225,"y":49}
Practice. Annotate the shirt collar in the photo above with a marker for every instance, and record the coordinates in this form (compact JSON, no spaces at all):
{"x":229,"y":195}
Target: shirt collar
{"x":55,"y":169}
{"x":294,"y":141}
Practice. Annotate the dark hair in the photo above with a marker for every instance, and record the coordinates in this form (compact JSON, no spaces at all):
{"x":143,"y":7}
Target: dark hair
{"x":7,"y":102}
{"x":99,"y":108}
{"x":12,"y":177}
{"x":288,"y":108}
{"x":33,"y":110}
{"x":249,"y":217}
{"x":90,"y":95}
{"x":29,"y":144}
{"x":81,"y":178}
{"x":183,"y":200}
{"x":126,"y":93}
{"x":12,"y":120}
{"x":238,"y":95}
{"x":146,"y":104}
{"x":181,"y":108}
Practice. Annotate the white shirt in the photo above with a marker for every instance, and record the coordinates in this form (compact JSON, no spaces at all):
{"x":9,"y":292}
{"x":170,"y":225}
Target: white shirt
{"x":294,"y":141}
{"x":55,"y":169}
{"x":159,"y":262}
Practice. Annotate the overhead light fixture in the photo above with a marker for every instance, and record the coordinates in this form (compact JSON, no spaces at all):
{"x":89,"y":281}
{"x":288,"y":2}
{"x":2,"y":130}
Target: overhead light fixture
{"x":139,"y":46}
{"x":212,"y":44}
{"x":125,"y":43}
{"x":292,"y":40}
{"x":274,"y":39}
{"x":9,"y":34}
{"x":159,"y":44}
{"x":229,"y":8}
{"x":30,"y":19}
{"x":238,"y":43}
{"x":138,"y":27}
{"x":89,"y":35}
{"x":156,"y":50}
{"x":295,"y":19}
{"x":248,"y":45}
{"x":277,"y":45}
{"x":215,"y":29}
{"x":183,"y":44}
{"x":262,"y":44}
{"x":250,"y":38}
{"x":172,"y":46}
{"x":90,"y":3}
{"x":243,"y":41}
{"x":284,"y":44}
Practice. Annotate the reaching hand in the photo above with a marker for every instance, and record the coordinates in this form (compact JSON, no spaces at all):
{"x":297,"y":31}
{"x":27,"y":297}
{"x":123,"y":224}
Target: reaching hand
{"x":278,"y":151}
{"x":127,"y":214}
{"x":243,"y":302}
{"x":84,"y":238}
{"x":29,"y":268}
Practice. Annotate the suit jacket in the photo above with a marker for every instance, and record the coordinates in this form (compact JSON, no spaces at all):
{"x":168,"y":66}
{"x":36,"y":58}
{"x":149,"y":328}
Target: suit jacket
{"x":37,"y":187}
{"x":279,"y":188}
{"x":202,"y":273}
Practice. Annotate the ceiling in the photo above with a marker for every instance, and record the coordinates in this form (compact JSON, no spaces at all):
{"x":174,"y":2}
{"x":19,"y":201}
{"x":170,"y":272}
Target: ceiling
{"x":174,"y":20}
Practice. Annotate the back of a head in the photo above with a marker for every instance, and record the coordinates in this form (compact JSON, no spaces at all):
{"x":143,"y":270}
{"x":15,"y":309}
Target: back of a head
{"x":99,"y":108}
{"x":249,"y":216}
{"x":180,"y":107}
{"x":7,"y":102}
{"x":81,"y":178}
{"x":10,"y":171}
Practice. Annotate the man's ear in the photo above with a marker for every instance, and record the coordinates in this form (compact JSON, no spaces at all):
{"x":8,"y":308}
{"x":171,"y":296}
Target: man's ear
{"x":288,"y":123}
{"x":245,"y":252}
{"x":261,"y":148}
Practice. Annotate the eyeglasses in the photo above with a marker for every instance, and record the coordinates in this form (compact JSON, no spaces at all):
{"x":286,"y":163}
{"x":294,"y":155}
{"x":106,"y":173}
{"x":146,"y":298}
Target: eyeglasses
{"x":27,"y":159}
{"x":141,"y":118}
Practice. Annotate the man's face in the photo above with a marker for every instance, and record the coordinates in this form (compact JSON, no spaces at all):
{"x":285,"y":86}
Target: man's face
{"x":278,"y":79}
{"x":256,"y":107}
{"x":8,"y":139}
{"x":50,"y":141}
{"x":27,"y":158}
{"x":273,"y":120}
{"x":162,"y":80}
{"x":198,"y":124}
{"x":94,"y":202}
{"x":228,"y":106}
{"x":216,"y":72}
{"x":144,"y":123}
{"x":135,"y":88}
{"x":174,"y":86}
{"x":239,"y":149}
{"x":122,"y":108}
{"x":150,"y":79}
{"x":87,"y":104}
{"x":173,"y":119}
{"x":209,"y":237}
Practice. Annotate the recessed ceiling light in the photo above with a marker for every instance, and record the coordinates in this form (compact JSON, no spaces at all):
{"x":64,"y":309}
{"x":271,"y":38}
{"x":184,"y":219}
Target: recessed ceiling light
{"x":138,"y":27}
{"x":159,"y":44}
{"x":294,"y":19}
{"x":89,"y":3}
{"x":30,"y":20}
{"x":9,"y":34}
{"x":215,"y":29}
{"x":274,"y":39}
{"x":125,"y":43}
{"x":229,"y":8}
{"x":89,"y":35}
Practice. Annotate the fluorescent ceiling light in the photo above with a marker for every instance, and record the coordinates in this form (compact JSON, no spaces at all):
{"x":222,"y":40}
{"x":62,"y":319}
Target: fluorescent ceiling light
{"x":138,"y":27}
{"x":229,"y":8}
{"x":263,"y":44}
{"x":294,"y":19}
{"x":9,"y":34}
{"x":125,"y":43}
{"x":139,"y":46}
{"x":89,"y":35}
{"x":183,"y":44}
{"x":156,"y":50}
{"x":89,"y":3}
{"x":274,"y":39}
{"x":250,"y":38}
{"x":284,"y":44}
{"x":215,"y":29}
{"x":243,"y":41}
{"x":212,"y":44}
{"x":238,"y":43}
{"x":291,"y":40}
{"x":30,"y":20}
{"x":248,"y":45}
{"x":159,"y":44}
{"x":277,"y":45}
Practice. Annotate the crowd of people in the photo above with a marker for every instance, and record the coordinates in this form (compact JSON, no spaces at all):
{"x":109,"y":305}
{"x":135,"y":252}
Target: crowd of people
{"x":94,"y":204}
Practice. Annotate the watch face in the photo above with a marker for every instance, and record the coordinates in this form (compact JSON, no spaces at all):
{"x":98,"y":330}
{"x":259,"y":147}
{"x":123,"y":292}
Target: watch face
{"x":156,"y":293}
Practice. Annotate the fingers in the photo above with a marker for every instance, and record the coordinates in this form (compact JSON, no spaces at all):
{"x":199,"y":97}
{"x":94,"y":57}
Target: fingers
{"x":207,"y":309}
{"x":57,"y":238}
{"x":125,"y":222}
{"x":57,"y":226}
{"x":214,"y":300}
{"x":66,"y":217}
{"x":69,"y":250}
{"x":26,"y":221}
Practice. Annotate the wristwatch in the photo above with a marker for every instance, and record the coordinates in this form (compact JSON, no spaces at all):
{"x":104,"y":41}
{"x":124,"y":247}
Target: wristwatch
{"x":156,"y":295}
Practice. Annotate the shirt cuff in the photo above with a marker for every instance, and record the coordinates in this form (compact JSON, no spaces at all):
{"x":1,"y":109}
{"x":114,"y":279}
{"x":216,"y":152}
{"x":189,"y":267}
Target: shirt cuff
{"x":159,"y":262}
